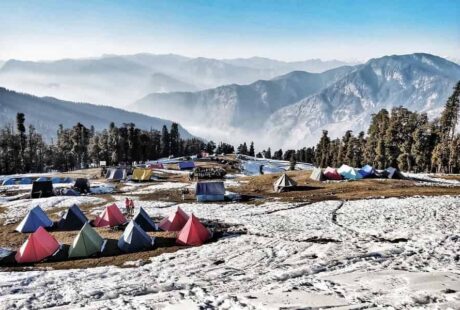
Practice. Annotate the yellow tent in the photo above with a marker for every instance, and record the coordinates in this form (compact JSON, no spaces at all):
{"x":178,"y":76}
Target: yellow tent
{"x":140,"y":174}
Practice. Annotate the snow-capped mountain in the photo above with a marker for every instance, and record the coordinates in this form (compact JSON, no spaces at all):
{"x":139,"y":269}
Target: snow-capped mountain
{"x":240,"y":106}
{"x":117,"y":80}
{"x":419,"y":82}
{"x":293,"y":109}
{"x":47,"y":113}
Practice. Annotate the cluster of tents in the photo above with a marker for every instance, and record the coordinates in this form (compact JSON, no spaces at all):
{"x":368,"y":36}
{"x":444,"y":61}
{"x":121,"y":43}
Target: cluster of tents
{"x":30,"y":180}
{"x":41,"y":244}
{"x":346,"y":172}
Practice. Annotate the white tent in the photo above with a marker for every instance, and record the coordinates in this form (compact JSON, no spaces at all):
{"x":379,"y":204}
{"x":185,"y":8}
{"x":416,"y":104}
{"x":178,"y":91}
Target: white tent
{"x":284,"y":182}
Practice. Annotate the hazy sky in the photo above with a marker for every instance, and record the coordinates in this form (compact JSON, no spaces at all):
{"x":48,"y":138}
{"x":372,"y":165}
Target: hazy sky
{"x":285,"y":29}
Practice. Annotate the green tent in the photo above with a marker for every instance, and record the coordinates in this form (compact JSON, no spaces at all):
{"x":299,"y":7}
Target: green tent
{"x":87,"y":243}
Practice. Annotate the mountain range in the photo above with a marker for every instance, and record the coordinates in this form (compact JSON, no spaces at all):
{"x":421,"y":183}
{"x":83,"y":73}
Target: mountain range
{"x":287,"y":110}
{"x":118,"y":80}
{"x":293,"y":109}
{"x":46,"y":113}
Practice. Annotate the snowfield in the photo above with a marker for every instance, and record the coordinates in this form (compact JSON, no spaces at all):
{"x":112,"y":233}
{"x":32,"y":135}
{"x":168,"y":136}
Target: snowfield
{"x":388,"y":253}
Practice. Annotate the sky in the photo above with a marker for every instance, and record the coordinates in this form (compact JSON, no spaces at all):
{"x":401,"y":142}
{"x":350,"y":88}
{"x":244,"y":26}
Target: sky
{"x":286,"y":30}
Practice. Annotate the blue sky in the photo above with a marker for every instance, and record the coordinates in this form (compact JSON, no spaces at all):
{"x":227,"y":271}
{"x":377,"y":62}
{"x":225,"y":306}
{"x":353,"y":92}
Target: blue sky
{"x":287,"y":30}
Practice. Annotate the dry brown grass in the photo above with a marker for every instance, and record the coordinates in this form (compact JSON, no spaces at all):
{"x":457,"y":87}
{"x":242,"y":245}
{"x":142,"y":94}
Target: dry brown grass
{"x":343,"y":190}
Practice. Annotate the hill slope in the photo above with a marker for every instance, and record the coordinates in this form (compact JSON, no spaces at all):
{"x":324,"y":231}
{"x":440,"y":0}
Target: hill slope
{"x":47,"y":113}
{"x":419,"y":82}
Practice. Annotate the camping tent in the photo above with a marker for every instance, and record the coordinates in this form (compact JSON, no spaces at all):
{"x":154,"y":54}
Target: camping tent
{"x":42,"y":189}
{"x":349,"y":173}
{"x":175,"y":221}
{"x":88,"y":242}
{"x":9,"y":182}
{"x":33,"y":220}
{"x":317,"y":175}
{"x":140,"y":174}
{"x":56,"y":180}
{"x":186,"y":165}
{"x":283,"y":183}
{"x":367,"y":171}
{"x":66,"y":180}
{"x":393,"y":173}
{"x":73,"y":219}
{"x":116,"y":174}
{"x":42,"y":179}
{"x":144,"y":221}
{"x":25,"y":181}
{"x":69,"y":192}
{"x":82,"y":185}
{"x":193,"y":233}
{"x":134,"y":239}
{"x":210,"y":191}
{"x":37,"y":247}
{"x":111,"y":216}
{"x":332,"y":174}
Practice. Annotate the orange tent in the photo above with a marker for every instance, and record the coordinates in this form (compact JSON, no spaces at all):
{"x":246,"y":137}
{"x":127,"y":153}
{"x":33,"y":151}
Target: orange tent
{"x":111,"y":216}
{"x":193,"y":233}
{"x":175,"y":221}
{"x":37,"y":247}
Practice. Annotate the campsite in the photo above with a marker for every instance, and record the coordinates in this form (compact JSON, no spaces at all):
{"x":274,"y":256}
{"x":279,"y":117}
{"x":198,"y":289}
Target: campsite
{"x":255,"y":215}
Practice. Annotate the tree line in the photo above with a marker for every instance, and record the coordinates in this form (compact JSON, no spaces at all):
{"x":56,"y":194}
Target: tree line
{"x":401,"y":138}
{"x":23,"y":150}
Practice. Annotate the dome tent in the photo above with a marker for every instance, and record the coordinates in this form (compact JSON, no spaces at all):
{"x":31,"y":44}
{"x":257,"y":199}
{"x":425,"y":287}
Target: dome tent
{"x":175,"y":221}
{"x":349,"y":173}
{"x":111,"y":216}
{"x":367,"y":171}
{"x":317,"y":175}
{"x":73,"y":219}
{"x":134,"y":239}
{"x":144,"y":221}
{"x":193,"y":233}
{"x":33,"y":220}
{"x":88,"y":242}
{"x":37,"y":247}
{"x":332,"y":174}
{"x":284,"y":183}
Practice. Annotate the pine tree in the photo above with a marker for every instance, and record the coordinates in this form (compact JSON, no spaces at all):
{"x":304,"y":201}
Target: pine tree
{"x":251,"y":149}
{"x":165,"y":142}
{"x":174,"y":138}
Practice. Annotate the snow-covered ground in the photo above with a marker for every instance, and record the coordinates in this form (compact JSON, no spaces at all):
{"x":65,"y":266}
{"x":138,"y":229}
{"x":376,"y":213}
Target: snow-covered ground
{"x":399,"y":253}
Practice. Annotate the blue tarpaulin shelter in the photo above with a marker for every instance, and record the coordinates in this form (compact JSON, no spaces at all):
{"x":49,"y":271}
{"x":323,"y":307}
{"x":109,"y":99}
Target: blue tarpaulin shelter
{"x":186,"y":165}
{"x":210,"y":191}
{"x":25,"y":181}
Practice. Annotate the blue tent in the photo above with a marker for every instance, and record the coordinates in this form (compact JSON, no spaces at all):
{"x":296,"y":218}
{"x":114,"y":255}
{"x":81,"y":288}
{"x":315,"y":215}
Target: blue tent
{"x":144,"y":221}
{"x":73,"y":219}
{"x":41,"y":179}
{"x":66,"y":180}
{"x":134,"y":239}
{"x":56,"y":180}
{"x":9,"y":182}
{"x":186,"y":165}
{"x":349,"y":173}
{"x":33,"y":220}
{"x":25,"y":181}
{"x":210,"y":191}
{"x":367,"y":171}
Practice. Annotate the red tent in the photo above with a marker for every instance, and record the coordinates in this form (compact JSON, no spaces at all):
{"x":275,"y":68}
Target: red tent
{"x":332,"y":174}
{"x":193,"y":233}
{"x":175,"y":221}
{"x":37,"y":247}
{"x":111,"y":216}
